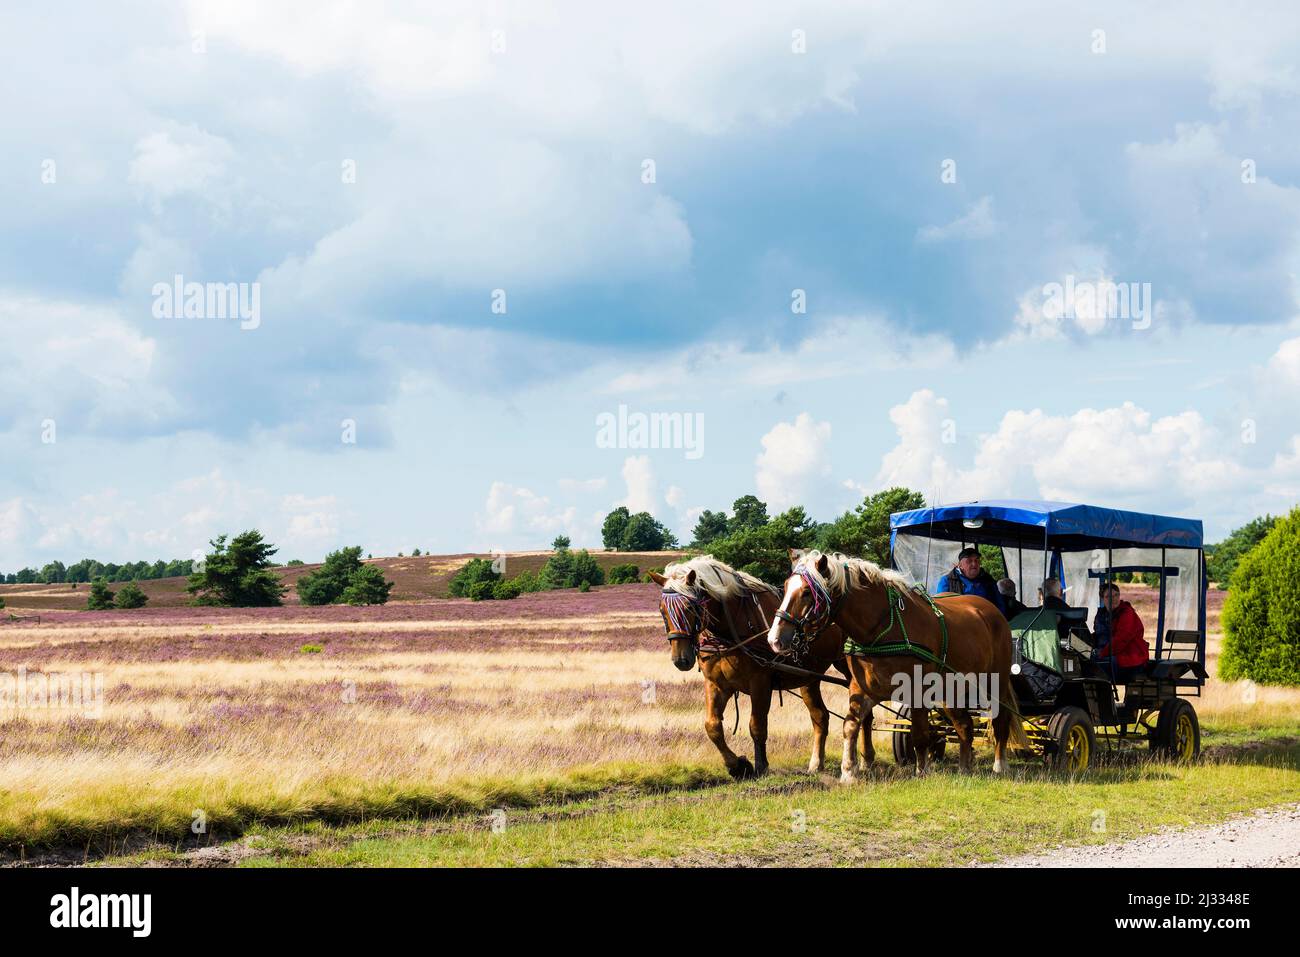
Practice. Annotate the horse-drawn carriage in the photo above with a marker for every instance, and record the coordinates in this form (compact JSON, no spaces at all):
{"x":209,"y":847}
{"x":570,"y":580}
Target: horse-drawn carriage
{"x":1067,"y":702}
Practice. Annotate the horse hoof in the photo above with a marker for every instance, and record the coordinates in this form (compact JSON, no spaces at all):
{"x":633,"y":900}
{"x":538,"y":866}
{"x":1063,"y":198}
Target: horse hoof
{"x":848,"y":777}
{"x":742,"y":770}
{"x":814,"y":767}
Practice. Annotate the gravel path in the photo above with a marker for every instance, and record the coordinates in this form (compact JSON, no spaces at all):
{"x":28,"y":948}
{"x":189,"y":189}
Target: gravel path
{"x":1266,"y":838}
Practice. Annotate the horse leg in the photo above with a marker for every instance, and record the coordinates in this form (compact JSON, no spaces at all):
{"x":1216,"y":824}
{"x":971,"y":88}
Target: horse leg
{"x":715,"y":706}
{"x":1001,"y":733}
{"x":852,"y":723}
{"x":760,"y":700}
{"x":821,"y":722}
{"x":868,"y":746}
{"x":965,"y":727}
{"x":921,"y":738}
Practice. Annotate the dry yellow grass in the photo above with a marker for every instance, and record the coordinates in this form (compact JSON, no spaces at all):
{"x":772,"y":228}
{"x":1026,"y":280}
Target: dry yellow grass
{"x":396,"y":714}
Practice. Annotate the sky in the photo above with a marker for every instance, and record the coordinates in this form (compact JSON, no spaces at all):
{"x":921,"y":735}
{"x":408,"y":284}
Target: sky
{"x":477,"y":242}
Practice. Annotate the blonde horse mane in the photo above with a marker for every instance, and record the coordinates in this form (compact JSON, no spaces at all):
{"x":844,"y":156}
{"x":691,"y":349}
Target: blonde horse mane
{"x":714,"y":578}
{"x":850,"y":574}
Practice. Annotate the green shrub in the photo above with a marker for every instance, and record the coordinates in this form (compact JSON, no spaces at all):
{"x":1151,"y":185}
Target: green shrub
{"x":474,"y":571}
{"x":367,"y":587}
{"x":238,"y":574}
{"x":481,"y":591}
{"x":325,"y":585}
{"x":312,"y":649}
{"x":1261,"y":616}
{"x":566,"y":569}
{"x":585,"y":586}
{"x":1221,"y":559}
{"x":623,"y":574}
{"x":100,"y":597}
{"x":505,"y":590}
{"x":130,"y":596}
{"x":528,"y":581}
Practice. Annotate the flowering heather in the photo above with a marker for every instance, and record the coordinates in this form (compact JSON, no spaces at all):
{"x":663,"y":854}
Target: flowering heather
{"x":420,"y":707}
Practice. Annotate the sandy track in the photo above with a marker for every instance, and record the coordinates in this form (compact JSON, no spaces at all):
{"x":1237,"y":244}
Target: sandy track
{"x":1267,"y":838}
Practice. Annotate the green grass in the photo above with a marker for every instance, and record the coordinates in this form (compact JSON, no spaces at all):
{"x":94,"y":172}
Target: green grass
{"x":617,"y":812}
{"x":943,"y":819}
{"x":109,"y":816}
{"x":893,"y":819}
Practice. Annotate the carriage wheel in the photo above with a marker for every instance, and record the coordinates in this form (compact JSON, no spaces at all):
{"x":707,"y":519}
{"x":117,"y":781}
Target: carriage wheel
{"x":905,"y":753}
{"x":1178,"y":732}
{"x":1075,"y":741}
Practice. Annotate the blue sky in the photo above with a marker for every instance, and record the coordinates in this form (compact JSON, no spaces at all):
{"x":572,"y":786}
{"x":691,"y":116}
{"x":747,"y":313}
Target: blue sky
{"x":921,"y":172}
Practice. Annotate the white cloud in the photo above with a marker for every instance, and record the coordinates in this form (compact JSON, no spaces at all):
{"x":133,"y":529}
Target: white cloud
{"x":1122,"y":456}
{"x":795,"y":455}
{"x":978,"y":222}
{"x":583,"y":486}
{"x":83,"y":366}
{"x":639,"y":476}
{"x":517,"y":515}
{"x":920,"y":460}
{"x":180,"y":160}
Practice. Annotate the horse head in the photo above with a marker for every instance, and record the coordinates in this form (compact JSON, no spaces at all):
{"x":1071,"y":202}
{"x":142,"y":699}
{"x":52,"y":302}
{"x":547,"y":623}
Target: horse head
{"x":805,"y":602}
{"x":685,"y":617}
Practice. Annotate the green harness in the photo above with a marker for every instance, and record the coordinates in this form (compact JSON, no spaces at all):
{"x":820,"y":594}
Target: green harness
{"x":905,"y":647}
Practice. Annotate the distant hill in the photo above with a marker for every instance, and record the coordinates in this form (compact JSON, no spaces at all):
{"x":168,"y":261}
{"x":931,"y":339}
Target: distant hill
{"x":415,"y":579}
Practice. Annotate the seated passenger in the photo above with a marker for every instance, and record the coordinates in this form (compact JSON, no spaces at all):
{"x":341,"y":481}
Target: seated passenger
{"x":1011,"y":605}
{"x":968,"y":578}
{"x":1049,"y":595}
{"x":1119,"y":633}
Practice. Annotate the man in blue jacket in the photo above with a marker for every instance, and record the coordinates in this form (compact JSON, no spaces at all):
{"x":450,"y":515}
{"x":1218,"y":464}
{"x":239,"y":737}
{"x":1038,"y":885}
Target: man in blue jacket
{"x":968,"y":578}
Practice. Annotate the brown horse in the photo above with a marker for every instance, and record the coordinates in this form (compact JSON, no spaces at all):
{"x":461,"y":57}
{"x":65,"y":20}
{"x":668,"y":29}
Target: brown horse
{"x":875,"y":606}
{"x":718,"y":616}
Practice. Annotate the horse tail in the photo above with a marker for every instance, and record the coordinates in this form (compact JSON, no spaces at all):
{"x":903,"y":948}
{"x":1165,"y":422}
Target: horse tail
{"x":1011,"y":704}
{"x":1007,"y":699}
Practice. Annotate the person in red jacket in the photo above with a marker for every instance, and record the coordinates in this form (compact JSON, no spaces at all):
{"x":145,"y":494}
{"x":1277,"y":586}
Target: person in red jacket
{"x":1120,"y":633}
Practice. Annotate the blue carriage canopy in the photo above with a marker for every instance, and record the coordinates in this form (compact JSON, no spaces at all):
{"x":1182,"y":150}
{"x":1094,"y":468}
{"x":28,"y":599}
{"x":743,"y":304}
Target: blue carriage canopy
{"x":1066,"y":525}
{"x":1079,"y":545}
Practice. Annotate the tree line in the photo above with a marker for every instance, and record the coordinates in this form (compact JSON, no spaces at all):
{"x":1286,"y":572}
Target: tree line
{"x":88,"y":569}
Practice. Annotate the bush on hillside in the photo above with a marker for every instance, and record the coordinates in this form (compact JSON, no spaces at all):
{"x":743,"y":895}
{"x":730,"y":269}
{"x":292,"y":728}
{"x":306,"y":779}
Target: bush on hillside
{"x":238,"y":574}
{"x":326,"y":584}
{"x":623,"y":574}
{"x":1261,"y":616}
{"x":130,"y":596}
{"x":506,"y":590}
{"x":474,"y":571}
{"x":367,"y":586}
{"x":566,"y":569}
{"x":481,"y":591}
{"x":527,"y":581}
{"x":100,"y":597}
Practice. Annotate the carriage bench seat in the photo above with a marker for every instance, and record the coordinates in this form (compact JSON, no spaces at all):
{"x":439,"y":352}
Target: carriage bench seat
{"x":1167,"y":666}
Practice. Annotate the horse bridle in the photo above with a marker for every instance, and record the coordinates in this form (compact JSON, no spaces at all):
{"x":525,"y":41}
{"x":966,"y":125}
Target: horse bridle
{"x":683,"y":615}
{"x":812,"y":623}
{"x":686,"y":618}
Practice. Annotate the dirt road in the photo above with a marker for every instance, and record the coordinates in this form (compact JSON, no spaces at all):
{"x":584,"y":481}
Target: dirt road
{"x":1267,"y":838}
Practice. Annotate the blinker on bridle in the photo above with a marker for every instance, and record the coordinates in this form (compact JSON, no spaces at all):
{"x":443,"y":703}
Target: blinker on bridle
{"x":682,"y":614}
{"x":818,"y":616}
